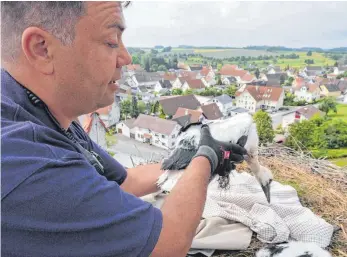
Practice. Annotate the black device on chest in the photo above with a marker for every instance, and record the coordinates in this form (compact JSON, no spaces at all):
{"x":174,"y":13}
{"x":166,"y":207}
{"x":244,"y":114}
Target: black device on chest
{"x":93,"y":158}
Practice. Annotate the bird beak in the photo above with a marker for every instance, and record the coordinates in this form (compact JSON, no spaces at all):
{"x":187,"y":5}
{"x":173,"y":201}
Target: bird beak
{"x":266,"y":190}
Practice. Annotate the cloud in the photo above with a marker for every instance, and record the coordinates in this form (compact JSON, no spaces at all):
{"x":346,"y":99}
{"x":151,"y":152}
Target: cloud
{"x":237,"y":24}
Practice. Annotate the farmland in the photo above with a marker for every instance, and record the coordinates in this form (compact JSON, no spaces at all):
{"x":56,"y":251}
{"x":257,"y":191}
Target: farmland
{"x":319,"y":58}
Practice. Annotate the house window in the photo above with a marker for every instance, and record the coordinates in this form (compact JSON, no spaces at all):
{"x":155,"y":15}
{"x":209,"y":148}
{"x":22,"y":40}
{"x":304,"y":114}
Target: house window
{"x":138,"y":135}
{"x":141,"y":136}
{"x":162,"y":136}
{"x":163,"y":143}
{"x":173,"y":136}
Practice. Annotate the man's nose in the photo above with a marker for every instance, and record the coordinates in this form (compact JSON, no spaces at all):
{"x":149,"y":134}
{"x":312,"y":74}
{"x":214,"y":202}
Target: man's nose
{"x":124,"y":58}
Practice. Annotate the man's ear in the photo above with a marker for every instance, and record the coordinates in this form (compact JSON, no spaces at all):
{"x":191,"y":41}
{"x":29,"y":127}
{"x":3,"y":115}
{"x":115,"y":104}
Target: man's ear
{"x":37,"y":48}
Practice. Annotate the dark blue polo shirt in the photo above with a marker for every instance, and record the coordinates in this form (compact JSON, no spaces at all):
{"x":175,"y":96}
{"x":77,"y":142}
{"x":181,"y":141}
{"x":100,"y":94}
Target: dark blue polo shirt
{"x":54,"y":203}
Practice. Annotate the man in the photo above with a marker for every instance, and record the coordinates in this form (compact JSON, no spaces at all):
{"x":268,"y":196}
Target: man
{"x":61,"y":60}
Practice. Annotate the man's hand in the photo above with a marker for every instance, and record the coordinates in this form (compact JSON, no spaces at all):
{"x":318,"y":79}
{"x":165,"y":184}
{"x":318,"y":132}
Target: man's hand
{"x":218,"y":153}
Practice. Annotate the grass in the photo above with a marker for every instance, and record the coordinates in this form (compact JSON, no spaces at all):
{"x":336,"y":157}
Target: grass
{"x":110,"y":139}
{"x":340,"y":162}
{"x":341,"y":112}
{"x":330,"y":153}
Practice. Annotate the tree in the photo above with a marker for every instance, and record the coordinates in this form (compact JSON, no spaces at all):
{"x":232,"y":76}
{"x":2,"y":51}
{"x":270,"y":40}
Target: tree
{"x":155,"y":107}
{"x":309,"y":53}
{"x":153,"y":51}
{"x":301,"y":135}
{"x":162,"y":68}
{"x":177,"y":91}
{"x":264,"y":127}
{"x":141,"y":106}
{"x":154,"y":67}
{"x":309,"y":61}
{"x":328,"y":104}
{"x":230,"y":90}
{"x":134,"y":108}
{"x":125,"y":108}
{"x":188,"y":92}
{"x":336,"y":64}
{"x":343,"y":75}
{"x":257,"y":73}
{"x":135,"y":59}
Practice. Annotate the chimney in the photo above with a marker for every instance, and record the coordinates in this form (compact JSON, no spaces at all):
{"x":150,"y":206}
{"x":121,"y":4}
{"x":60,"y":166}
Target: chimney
{"x":257,"y":87}
{"x":186,"y":112}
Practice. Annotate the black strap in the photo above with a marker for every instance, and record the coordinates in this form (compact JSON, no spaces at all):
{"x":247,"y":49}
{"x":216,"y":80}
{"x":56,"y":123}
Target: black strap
{"x":93,"y":158}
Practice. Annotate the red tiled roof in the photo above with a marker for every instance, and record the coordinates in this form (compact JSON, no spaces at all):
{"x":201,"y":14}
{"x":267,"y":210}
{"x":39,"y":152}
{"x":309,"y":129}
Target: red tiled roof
{"x":155,"y":124}
{"x":195,"y":115}
{"x":262,"y":93}
{"x":188,"y":74}
{"x":228,"y":69}
{"x":169,"y":76}
{"x":195,"y":83}
{"x":211,"y":111}
{"x":247,"y":77}
{"x":205,"y":70}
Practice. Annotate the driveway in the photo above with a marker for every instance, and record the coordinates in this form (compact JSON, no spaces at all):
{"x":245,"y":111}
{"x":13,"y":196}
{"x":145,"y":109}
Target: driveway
{"x":135,"y":148}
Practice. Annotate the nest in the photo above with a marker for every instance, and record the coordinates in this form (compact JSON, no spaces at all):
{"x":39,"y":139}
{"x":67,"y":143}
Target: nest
{"x":321,"y":187}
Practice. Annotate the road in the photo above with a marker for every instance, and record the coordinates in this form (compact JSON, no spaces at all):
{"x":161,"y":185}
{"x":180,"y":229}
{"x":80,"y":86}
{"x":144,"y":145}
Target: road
{"x":277,"y":117}
{"x":129,"y":146}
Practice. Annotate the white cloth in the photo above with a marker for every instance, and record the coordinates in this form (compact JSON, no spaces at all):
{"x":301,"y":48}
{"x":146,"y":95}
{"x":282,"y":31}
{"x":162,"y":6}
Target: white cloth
{"x":282,"y":220}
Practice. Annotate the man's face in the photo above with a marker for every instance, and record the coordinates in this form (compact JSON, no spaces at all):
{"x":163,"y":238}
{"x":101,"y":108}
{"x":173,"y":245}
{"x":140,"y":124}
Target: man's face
{"x":85,"y":71}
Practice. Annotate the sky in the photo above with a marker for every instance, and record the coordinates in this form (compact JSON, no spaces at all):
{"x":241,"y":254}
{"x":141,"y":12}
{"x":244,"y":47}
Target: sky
{"x":236,"y":24}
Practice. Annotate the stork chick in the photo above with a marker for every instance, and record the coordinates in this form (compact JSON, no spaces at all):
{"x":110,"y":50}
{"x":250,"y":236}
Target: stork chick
{"x":238,"y":129}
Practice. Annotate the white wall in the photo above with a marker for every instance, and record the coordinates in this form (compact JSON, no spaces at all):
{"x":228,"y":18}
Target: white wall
{"x":177,"y":84}
{"x":245,"y":100}
{"x":290,"y":119}
{"x":124,"y":128}
{"x":97,"y":132}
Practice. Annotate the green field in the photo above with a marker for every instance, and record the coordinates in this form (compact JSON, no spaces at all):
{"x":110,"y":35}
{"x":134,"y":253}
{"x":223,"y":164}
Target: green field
{"x":318,"y":58}
{"x":341,"y":112}
{"x":340,"y":162}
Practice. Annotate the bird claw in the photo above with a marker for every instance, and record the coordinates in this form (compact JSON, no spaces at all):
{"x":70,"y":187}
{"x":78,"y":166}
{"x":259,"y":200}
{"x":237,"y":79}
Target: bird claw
{"x":266,"y":190}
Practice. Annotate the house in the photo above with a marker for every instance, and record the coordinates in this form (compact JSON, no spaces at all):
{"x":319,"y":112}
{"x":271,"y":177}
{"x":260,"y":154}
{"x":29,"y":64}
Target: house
{"x":178,"y":83}
{"x":195,"y":67}
{"x":307,"y":92}
{"x":125,"y":127}
{"x":304,"y":113}
{"x":330,"y":90}
{"x":95,"y":128}
{"x":148,"y":79}
{"x":163,"y":84}
{"x":110,"y":115}
{"x":291,"y":72}
{"x":121,"y":96}
{"x":194,"y":115}
{"x":259,"y":97}
{"x":224,"y":103}
{"x":207,"y":73}
{"x":170,"y":76}
{"x":171,"y":104}
{"x":275,"y":79}
{"x":183,"y":66}
{"x":211,"y":111}
{"x":227,"y":70}
{"x":203,"y":99}
{"x":273,"y":69}
{"x":342,"y":84}
{"x":229,"y":80}
{"x":312,"y":71}
{"x":340,"y":70}
{"x":156,"y":131}
{"x":188,"y":74}
{"x":131,"y":69}
{"x":194,"y":84}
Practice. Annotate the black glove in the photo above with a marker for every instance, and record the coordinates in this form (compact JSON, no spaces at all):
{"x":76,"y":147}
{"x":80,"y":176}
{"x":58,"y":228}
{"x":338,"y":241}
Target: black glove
{"x":221,"y":155}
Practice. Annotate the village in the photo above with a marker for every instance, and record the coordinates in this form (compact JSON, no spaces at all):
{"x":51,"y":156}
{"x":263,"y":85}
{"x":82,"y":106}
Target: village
{"x":151,"y":107}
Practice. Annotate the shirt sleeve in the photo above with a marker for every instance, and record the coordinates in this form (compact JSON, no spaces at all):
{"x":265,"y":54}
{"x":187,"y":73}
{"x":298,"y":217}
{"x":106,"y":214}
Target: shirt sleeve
{"x":68,"y":209}
{"x":114,"y":171}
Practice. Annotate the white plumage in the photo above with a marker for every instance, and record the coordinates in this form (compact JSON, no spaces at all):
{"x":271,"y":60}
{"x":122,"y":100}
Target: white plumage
{"x":229,"y":130}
